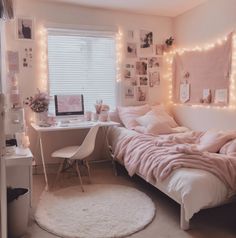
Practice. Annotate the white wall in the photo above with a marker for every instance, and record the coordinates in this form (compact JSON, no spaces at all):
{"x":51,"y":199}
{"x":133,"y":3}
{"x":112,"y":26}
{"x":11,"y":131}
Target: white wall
{"x":205,"y":24}
{"x":46,"y":12}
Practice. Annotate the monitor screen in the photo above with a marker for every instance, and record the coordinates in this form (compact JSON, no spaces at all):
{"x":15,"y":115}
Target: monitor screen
{"x":69,"y":105}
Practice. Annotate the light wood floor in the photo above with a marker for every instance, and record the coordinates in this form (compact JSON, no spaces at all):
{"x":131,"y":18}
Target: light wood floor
{"x":211,"y":223}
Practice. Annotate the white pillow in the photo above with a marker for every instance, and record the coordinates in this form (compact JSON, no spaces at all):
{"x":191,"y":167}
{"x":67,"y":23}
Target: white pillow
{"x":155,"y":116}
{"x":157,"y":128}
{"x":212,"y":141}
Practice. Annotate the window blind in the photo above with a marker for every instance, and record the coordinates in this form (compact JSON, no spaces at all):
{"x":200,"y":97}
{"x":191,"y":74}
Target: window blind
{"x":81,"y":62}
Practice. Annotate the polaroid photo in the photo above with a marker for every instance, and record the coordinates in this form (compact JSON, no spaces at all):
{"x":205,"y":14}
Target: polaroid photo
{"x":129,"y":92}
{"x":146,"y":42}
{"x":130,"y":35}
{"x":154,"y":62}
{"x":154,"y":78}
{"x":141,"y":68}
{"x":142,"y":94}
{"x":131,"y":50}
{"x":143,"y":81}
{"x":25,"y":28}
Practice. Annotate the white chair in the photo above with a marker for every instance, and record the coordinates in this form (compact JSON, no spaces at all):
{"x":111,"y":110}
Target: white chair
{"x":72,"y":155}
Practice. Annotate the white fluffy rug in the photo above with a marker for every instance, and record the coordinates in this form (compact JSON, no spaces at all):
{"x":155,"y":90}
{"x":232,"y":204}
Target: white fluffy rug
{"x":101,"y":211}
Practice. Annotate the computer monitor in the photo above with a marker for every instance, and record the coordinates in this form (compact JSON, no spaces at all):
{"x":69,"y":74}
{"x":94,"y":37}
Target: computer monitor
{"x":69,"y":105}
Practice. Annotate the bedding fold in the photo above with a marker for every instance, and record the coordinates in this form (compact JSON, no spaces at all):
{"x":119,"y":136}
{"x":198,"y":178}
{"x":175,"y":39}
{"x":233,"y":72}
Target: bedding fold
{"x":157,"y":157}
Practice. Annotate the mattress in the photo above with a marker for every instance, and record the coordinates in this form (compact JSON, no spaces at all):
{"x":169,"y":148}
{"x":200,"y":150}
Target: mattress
{"x":194,"y":189}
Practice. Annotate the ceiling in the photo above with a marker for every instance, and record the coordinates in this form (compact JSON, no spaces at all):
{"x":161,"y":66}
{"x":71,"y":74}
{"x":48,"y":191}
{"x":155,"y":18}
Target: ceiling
{"x":170,"y":8}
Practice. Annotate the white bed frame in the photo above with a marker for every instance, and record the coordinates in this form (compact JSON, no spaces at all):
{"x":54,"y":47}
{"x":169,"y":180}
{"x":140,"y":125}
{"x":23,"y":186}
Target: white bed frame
{"x":184,"y":224}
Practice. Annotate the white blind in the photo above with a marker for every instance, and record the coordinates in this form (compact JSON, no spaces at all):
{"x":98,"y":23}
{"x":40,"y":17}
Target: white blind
{"x":82,"y":63}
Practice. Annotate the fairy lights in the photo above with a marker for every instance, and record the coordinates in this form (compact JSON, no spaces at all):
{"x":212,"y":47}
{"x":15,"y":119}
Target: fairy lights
{"x":43,"y":74}
{"x":119,"y":49}
{"x":169,"y":56}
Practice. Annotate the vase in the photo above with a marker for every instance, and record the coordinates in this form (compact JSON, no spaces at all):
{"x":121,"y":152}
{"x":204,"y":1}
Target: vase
{"x":41,"y":118}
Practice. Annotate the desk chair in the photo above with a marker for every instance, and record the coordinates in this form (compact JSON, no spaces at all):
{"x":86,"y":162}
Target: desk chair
{"x":72,"y":155}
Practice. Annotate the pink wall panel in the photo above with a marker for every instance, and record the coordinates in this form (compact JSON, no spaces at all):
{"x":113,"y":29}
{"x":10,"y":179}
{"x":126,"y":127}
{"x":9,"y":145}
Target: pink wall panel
{"x":209,"y":69}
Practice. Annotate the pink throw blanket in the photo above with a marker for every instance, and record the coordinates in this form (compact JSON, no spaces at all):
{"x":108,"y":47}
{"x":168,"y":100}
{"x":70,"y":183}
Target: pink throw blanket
{"x":156,"y":157}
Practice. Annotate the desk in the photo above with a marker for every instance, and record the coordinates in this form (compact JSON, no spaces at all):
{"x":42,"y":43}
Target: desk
{"x":8,"y":161}
{"x":63,"y":127}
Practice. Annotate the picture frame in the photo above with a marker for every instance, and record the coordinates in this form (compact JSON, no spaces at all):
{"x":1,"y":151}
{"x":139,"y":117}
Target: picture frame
{"x":130,"y":35}
{"x":25,"y":28}
{"x":146,"y":39}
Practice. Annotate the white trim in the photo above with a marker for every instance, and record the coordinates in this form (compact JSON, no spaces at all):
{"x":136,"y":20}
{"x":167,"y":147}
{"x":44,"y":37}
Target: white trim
{"x":73,"y":27}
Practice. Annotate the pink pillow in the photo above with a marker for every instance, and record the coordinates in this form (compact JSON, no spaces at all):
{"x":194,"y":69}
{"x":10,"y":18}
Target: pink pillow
{"x":129,"y":114}
{"x":229,"y":148}
{"x":154,"y":116}
{"x":212,"y":141}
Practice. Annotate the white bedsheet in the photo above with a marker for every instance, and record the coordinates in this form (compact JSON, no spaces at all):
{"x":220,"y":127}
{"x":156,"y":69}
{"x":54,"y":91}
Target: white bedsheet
{"x":194,"y":188}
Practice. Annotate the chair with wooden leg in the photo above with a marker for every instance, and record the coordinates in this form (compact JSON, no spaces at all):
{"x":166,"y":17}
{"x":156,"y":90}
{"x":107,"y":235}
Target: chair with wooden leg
{"x":73,"y":155}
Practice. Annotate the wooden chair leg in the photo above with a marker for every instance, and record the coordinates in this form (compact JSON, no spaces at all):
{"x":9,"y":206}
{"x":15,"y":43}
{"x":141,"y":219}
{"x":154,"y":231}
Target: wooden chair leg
{"x":59,"y":172}
{"x":88,"y":168}
{"x":79,"y":175}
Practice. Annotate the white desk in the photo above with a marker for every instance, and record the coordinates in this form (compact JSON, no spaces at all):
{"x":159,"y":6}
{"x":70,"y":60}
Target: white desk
{"x":63,"y":127}
{"x":7,"y":161}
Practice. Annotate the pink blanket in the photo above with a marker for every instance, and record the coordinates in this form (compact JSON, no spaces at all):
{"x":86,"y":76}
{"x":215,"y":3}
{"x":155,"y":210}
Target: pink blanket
{"x":156,"y":157}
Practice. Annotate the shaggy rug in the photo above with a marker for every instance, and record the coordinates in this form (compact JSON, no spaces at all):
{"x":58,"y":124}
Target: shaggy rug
{"x":102,"y":211}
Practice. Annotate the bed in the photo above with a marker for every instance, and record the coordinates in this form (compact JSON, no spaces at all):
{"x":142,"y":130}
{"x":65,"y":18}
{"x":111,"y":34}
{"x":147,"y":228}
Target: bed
{"x":194,"y":189}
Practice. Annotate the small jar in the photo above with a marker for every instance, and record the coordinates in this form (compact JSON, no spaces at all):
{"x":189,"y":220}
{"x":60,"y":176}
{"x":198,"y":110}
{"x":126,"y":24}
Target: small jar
{"x":103,"y":116}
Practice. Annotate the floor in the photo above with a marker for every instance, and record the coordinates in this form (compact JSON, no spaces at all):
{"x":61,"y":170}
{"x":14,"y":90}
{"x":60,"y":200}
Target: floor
{"x":216,"y":222}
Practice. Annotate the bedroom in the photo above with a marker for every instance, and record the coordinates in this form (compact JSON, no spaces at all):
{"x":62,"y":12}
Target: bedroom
{"x":190,"y":23}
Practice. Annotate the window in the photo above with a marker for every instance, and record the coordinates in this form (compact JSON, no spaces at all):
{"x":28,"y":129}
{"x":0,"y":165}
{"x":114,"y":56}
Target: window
{"x":82,"y":62}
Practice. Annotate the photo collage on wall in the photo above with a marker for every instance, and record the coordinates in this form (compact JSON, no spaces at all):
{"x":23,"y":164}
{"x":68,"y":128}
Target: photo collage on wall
{"x":142,"y":65}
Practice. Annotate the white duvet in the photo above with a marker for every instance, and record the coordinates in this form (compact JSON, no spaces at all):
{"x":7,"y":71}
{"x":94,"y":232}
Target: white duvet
{"x":194,"y":188}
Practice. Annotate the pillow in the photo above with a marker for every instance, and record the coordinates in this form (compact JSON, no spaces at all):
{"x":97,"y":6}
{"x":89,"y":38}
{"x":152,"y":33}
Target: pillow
{"x":212,"y":141}
{"x":154,"y":116}
{"x":157,"y":128}
{"x":229,"y":148}
{"x":129,"y":114}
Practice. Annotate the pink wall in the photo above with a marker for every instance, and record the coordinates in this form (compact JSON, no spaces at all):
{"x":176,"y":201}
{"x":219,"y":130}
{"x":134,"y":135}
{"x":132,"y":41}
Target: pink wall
{"x":205,"y":24}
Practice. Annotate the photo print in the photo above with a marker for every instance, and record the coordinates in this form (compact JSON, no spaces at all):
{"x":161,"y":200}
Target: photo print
{"x":154,"y":62}
{"x":133,"y":81}
{"x":27,"y":58}
{"x":129,"y":71}
{"x":146,"y":42}
{"x":131,"y":50}
{"x":154,"y":78}
{"x":25,"y":28}
{"x":142,"y":93}
{"x":130,"y":35}
{"x":141,"y":68}
{"x":129,"y":92}
{"x":159,"y":49}
{"x":143,"y":81}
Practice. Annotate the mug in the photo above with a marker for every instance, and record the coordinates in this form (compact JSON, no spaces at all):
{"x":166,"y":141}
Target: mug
{"x":103,"y":116}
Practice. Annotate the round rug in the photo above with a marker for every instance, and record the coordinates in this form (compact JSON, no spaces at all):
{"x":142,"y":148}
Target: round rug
{"x":102,"y":211}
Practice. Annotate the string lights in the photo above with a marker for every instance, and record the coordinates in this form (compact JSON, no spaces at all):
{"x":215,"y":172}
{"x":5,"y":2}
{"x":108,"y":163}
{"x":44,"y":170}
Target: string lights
{"x":169,"y":56}
{"x":119,"y":50}
{"x":43,"y":75}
